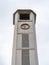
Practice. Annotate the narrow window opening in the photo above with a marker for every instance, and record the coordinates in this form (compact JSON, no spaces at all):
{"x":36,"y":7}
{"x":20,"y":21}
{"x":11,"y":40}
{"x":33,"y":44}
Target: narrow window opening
{"x":24,"y":17}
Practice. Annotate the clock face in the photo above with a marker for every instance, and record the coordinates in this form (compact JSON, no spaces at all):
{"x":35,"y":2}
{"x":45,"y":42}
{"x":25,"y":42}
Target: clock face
{"x":25,"y":26}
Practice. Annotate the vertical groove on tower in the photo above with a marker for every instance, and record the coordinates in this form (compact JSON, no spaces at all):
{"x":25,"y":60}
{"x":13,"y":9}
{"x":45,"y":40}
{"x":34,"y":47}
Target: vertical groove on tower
{"x":25,"y":57}
{"x":25,"y":52}
{"x":25,"y":40}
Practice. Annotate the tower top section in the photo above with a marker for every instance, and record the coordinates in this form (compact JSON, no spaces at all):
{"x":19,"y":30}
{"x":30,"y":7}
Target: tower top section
{"x":24,"y":12}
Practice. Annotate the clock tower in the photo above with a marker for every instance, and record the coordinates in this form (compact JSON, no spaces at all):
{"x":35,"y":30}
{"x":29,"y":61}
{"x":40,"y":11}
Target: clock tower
{"x":24,"y":43}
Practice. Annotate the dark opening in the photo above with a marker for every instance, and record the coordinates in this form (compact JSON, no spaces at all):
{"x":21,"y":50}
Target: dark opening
{"x":24,"y":16}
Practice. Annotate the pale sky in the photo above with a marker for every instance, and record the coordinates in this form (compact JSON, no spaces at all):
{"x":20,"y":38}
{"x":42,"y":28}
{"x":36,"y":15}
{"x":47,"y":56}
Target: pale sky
{"x":7,"y":8}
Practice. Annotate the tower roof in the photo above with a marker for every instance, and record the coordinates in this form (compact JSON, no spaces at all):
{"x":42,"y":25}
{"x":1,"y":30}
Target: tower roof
{"x":23,"y":11}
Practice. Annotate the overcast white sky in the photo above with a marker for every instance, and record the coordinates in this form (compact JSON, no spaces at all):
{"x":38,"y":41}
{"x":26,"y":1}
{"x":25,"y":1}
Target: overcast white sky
{"x":7,"y":8}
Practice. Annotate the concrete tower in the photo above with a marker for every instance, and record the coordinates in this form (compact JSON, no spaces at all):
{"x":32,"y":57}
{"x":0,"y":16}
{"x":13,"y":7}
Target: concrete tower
{"x":24,"y":45}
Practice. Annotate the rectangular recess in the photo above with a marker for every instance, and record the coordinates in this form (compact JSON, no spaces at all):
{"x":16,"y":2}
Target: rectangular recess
{"x":25,"y":57}
{"x":25,"y":40}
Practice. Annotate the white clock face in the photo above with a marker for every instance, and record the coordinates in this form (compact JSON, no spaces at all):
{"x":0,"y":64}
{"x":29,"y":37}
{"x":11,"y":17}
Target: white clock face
{"x":25,"y":26}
